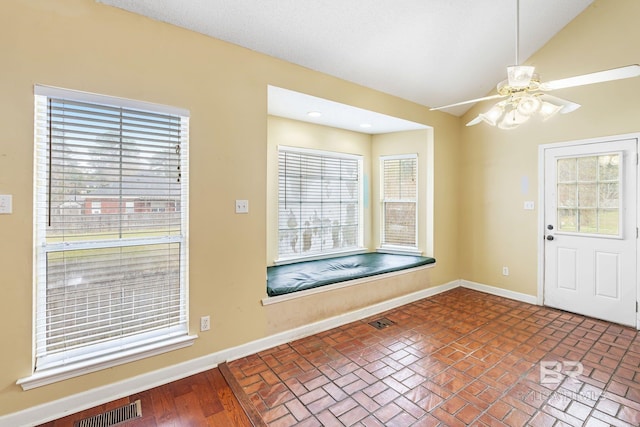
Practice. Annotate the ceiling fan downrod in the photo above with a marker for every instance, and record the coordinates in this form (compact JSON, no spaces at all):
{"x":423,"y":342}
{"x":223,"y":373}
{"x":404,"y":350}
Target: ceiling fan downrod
{"x":517,"y":32}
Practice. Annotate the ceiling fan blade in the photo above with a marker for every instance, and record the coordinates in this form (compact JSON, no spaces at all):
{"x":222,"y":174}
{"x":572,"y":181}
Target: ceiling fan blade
{"x":475,"y":121}
{"x":598,"y":77}
{"x":471,"y":101}
{"x":567,"y":106}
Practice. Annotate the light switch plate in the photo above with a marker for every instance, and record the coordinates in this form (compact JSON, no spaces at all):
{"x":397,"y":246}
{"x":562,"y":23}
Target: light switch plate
{"x":529,"y":205}
{"x":242,"y":206}
{"x":6,"y":203}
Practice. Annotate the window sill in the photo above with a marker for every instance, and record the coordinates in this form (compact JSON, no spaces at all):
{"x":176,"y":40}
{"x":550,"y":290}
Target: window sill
{"x":398,"y":250}
{"x":285,"y":261}
{"x":50,"y":376}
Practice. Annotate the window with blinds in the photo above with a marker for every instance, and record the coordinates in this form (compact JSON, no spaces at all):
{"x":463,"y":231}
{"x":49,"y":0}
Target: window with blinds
{"x":318,"y":202}
{"x":110,"y":224}
{"x":399,"y":201}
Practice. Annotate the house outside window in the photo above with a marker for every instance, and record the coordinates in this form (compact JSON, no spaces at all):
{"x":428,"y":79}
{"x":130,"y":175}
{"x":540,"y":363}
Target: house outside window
{"x":319,"y":203}
{"x":399,"y":204}
{"x":96,"y":208}
{"x":111,"y":279}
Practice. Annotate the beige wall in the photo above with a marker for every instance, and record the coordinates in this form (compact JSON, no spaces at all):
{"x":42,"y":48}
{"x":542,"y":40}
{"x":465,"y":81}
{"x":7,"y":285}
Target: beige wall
{"x":481,"y":175}
{"x":83,"y":45}
{"x":499,"y":169}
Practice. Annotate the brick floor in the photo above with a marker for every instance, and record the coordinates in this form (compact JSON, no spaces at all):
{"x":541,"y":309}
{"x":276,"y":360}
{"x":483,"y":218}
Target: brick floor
{"x":459,"y":358}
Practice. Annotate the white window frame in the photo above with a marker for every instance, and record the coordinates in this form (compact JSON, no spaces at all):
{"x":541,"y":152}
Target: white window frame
{"x":390,"y":248}
{"x":100,"y":356}
{"x":359,"y":247}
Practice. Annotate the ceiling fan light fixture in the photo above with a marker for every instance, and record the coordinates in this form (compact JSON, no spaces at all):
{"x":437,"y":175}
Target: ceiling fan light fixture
{"x":548,"y":110}
{"x":512,"y":119}
{"x":493,"y":115}
{"x":523,"y":92}
{"x":528,"y":105}
{"x":519,"y":76}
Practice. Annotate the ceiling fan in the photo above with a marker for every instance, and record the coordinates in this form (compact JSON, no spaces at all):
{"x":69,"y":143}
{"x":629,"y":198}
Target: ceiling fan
{"x":523,"y":94}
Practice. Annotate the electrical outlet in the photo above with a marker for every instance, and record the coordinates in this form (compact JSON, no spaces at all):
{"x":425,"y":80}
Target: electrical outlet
{"x":505,"y":271}
{"x":205,"y":323}
{"x":242,"y":206}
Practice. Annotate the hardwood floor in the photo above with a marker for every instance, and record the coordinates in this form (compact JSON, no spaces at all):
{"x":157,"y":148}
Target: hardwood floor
{"x":205,"y":399}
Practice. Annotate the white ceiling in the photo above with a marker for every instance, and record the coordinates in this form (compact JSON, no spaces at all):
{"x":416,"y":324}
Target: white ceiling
{"x":432,"y":52}
{"x":296,"y":105}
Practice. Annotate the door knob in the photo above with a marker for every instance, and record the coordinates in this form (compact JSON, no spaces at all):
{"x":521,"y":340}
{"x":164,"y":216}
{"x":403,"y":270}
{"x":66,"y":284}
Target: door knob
{"x":549,"y":237}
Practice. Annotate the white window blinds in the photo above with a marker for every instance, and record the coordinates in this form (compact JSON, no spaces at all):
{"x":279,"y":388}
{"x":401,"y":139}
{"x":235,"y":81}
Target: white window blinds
{"x":110,"y":224}
{"x":399,"y":200}
{"x":318,"y":202}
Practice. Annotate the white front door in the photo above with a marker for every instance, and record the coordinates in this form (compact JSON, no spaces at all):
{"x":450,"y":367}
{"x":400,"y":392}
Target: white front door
{"x":590,"y":229}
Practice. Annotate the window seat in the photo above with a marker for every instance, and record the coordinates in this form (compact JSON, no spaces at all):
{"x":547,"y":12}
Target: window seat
{"x":284,"y":279}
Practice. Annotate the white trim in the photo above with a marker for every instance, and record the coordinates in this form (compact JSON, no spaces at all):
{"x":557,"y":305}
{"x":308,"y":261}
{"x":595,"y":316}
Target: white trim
{"x":333,"y":322}
{"x":399,"y":156}
{"x":50,"y":376}
{"x":505,"y":293}
{"x":399,"y":250}
{"x":76,"y":95}
{"x":326,"y":288}
{"x":319,"y":152}
{"x":316,"y":257}
{"x":541,"y":233}
{"x":67,"y":405}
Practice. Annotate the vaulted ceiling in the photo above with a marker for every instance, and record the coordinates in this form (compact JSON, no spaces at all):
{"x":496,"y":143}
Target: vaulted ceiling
{"x":432,"y":52}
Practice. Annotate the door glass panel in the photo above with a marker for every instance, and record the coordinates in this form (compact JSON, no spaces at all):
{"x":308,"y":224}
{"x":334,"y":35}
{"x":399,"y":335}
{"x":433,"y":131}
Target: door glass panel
{"x":587,"y":196}
{"x":608,"y":195}
{"x":608,"y":221}
{"x":567,"y":196}
{"x":588,"y":221}
{"x":609,"y":167}
{"x":567,"y":219}
{"x":567,"y":170}
{"x":588,"y":192}
{"x":587,"y":169}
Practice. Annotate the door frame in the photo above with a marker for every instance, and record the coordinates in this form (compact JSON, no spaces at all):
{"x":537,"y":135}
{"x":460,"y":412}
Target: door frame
{"x":541,"y":206}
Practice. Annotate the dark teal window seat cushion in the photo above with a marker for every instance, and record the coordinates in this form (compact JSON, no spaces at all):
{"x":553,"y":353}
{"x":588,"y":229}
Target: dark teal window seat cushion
{"x":284,"y":279}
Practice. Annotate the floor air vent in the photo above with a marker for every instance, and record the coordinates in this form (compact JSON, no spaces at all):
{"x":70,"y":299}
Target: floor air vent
{"x":381,"y":323}
{"x":113,"y":417}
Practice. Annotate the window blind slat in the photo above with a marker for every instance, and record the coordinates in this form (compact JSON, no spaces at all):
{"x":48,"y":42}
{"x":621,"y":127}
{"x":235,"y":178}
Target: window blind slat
{"x":399,"y":201}
{"x":319,"y":202}
{"x":107,"y":177}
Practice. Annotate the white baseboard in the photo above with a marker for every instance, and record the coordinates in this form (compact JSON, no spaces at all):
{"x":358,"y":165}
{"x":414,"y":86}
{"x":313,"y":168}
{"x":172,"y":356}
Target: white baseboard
{"x":71,"y":404}
{"x":530,"y":299}
{"x":90,"y":398}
